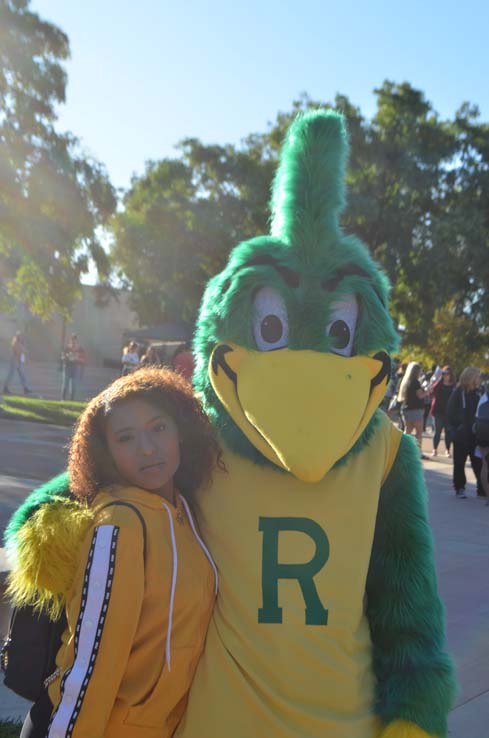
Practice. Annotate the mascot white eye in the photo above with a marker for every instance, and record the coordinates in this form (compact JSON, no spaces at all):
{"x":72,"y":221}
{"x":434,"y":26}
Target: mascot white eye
{"x":270,"y":321}
{"x":342,"y":325}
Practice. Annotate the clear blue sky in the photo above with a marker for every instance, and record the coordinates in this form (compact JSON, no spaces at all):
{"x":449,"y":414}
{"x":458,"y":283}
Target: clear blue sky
{"x":145,"y":74}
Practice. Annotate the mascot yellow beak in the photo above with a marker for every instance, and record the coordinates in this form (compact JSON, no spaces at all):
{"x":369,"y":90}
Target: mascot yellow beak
{"x":303,"y":410}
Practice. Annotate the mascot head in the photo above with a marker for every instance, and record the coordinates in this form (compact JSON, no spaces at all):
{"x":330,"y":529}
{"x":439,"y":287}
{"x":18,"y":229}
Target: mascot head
{"x":293,"y":338}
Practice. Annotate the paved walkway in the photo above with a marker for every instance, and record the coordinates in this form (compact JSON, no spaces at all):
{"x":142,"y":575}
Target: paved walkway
{"x":46,"y":378}
{"x":461,"y":529}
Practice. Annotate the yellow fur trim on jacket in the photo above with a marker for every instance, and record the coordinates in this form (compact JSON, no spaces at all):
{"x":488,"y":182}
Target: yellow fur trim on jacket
{"x":46,"y":555}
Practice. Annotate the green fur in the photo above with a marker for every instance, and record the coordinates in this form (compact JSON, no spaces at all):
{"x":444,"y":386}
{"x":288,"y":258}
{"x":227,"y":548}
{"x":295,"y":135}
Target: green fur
{"x":45,"y":554}
{"x":56,"y":487}
{"x":415,"y":677}
{"x":308,"y":189}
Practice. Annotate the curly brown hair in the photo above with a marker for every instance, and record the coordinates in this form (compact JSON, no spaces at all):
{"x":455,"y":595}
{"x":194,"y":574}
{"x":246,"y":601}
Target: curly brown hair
{"x":90,"y":465}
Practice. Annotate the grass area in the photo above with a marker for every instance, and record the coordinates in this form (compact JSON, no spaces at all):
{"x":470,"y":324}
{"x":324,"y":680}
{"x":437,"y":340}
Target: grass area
{"x":40,"y":411}
{"x":9,"y":729}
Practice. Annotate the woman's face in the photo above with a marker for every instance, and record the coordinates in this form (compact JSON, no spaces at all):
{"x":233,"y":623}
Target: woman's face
{"x":143,"y":441}
{"x":476,"y":383}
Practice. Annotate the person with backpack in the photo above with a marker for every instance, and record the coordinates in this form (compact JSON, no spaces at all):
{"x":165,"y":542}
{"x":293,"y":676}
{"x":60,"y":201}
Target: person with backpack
{"x":481,"y":432}
{"x":124,"y":561}
{"x":461,"y":410}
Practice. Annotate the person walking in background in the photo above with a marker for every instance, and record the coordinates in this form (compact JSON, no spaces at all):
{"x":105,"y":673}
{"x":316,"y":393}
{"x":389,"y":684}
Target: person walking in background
{"x":17,"y":362}
{"x":82,"y":362}
{"x":71,"y":367}
{"x":150,"y":357}
{"x":411,"y":396}
{"x":426,"y":385}
{"x":481,"y":431}
{"x":395,"y":403}
{"x":183,"y":362}
{"x":440,"y":393}
{"x":461,"y":410}
{"x":130,"y":358}
{"x":390,"y":399}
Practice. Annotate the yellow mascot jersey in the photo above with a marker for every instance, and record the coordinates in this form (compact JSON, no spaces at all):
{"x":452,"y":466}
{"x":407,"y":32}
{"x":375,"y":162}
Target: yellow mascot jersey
{"x":288,"y":652}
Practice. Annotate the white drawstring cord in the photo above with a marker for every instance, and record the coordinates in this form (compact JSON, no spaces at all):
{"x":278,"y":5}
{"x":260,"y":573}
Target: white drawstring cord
{"x":173,"y":586}
{"x":202,"y":544}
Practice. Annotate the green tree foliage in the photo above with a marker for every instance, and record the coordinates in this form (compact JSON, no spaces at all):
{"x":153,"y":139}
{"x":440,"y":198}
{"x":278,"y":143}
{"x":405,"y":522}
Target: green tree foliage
{"x":418,"y":196}
{"x":53,"y":198}
{"x":181,"y":219}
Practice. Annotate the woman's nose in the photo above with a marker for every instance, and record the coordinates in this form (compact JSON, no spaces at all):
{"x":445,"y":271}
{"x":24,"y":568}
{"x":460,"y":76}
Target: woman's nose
{"x":147,"y":446}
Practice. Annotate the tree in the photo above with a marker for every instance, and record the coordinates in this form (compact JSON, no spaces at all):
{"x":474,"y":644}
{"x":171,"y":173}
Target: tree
{"x":418,"y":196}
{"x":53,"y":198}
{"x":180,"y":220}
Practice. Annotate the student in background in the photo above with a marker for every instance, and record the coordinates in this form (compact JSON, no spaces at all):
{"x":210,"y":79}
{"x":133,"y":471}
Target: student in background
{"x":412,"y":395}
{"x":130,"y":358}
{"x":461,"y":410}
{"x":440,"y":393}
{"x":71,"y":368}
{"x":18,"y":353}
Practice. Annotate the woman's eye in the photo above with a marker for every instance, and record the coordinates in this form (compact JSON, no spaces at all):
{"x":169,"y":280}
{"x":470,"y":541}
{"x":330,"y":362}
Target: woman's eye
{"x":270,"y":321}
{"x":342,"y":325}
{"x":124,"y":439}
{"x":160,"y":427}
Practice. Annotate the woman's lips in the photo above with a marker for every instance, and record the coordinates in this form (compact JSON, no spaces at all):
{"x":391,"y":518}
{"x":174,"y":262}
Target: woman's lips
{"x":153,"y":467}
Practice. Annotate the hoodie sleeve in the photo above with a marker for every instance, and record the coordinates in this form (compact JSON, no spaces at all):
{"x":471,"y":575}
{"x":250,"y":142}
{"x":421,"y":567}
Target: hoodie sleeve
{"x":103,"y":612}
{"x":415,"y":677}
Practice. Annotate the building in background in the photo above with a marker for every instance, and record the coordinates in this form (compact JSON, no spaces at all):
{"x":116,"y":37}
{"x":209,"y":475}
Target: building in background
{"x":99,"y":329}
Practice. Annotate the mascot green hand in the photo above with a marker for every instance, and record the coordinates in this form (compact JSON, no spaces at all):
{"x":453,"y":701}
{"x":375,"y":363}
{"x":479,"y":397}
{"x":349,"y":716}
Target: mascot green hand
{"x":328,"y":621}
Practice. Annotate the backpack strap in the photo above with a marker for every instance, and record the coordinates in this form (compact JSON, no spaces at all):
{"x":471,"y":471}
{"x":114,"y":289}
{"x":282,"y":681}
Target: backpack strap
{"x":121,"y":503}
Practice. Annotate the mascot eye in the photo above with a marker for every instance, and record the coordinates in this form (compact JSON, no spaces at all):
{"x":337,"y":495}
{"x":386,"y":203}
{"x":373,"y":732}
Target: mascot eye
{"x":270,"y":322}
{"x":344,"y":315}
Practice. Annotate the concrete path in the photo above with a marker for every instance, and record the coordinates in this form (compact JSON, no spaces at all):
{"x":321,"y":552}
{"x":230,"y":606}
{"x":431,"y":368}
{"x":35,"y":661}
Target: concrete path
{"x":29,"y":453}
{"x":461,"y":529}
{"x":46,"y":379}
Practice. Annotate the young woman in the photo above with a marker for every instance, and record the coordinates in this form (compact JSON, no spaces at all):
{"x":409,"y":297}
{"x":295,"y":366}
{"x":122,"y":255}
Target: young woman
{"x":461,"y":410}
{"x":411,"y":396}
{"x":142,"y":594}
{"x":441,"y":392}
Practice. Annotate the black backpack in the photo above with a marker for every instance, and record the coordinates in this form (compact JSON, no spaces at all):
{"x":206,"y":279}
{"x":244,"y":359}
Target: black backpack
{"x":481,"y":425}
{"x":28,"y":655}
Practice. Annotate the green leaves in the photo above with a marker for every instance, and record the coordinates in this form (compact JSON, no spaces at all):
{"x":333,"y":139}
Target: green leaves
{"x":53,"y":198}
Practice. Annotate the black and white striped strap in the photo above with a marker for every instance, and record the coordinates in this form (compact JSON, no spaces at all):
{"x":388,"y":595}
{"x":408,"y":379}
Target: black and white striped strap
{"x":97,"y":587}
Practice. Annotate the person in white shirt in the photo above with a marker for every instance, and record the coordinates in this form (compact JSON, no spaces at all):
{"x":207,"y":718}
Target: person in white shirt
{"x":130,"y":358}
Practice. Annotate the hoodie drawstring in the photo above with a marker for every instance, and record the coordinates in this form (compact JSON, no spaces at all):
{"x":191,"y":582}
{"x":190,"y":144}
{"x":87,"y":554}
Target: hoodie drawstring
{"x":175,"y":570}
{"x":173,"y":586}
{"x":201,"y":542}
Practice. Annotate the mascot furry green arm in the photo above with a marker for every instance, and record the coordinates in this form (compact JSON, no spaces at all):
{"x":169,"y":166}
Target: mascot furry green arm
{"x":328,"y":621}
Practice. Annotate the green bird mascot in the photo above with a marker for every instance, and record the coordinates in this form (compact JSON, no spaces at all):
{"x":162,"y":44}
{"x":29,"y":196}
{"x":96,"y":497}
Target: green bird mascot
{"x":328,"y":623}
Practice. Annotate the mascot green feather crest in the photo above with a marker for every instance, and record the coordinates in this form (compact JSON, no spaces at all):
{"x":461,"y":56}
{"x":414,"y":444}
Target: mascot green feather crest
{"x":308,"y":193}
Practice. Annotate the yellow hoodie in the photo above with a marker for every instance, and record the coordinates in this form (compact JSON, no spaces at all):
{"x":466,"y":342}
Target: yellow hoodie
{"x":136,"y":622}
